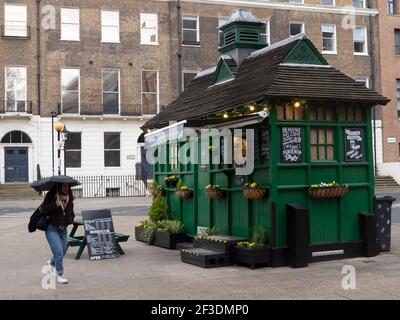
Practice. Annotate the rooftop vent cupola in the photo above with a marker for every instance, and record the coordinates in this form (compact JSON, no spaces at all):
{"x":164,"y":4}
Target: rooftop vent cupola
{"x":241,"y":35}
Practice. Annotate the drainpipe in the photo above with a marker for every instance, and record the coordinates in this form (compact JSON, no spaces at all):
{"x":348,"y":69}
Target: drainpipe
{"x":38,"y":67}
{"x":179,"y":52}
{"x":373,"y":85}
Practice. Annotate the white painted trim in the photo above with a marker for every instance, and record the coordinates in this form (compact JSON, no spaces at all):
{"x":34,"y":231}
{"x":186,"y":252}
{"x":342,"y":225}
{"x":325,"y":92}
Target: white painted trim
{"x":285,"y":6}
{"x":79,"y":88}
{"x":366,"y":42}
{"x":26,"y":86}
{"x":119,"y":89}
{"x":102,"y":25}
{"x":303,"y":27}
{"x":141,"y":28}
{"x":197,"y":29}
{"x":301,"y":65}
{"x":335,"y":38}
{"x":158,"y":89}
{"x":79,"y":24}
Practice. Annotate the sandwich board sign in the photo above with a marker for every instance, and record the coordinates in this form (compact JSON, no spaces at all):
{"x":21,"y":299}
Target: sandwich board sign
{"x":100,"y":234}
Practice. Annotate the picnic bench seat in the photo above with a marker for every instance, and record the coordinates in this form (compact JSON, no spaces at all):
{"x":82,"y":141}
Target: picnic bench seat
{"x":80,"y":241}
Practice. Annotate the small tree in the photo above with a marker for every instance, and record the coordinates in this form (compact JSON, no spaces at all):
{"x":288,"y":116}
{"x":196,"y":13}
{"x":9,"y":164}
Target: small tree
{"x":159,"y":209}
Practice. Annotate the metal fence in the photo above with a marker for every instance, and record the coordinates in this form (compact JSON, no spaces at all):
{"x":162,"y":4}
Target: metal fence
{"x":109,"y":186}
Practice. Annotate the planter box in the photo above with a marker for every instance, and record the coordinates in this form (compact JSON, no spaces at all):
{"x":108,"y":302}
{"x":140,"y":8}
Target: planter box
{"x":328,"y":192}
{"x":184,"y":194}
{"x":168,"y":240}
{"x":139,"y":233}
{"x":253,"y":257}
{"x":215,"y":194}
{"x":157,"y":192}
{"x":256,"y":194}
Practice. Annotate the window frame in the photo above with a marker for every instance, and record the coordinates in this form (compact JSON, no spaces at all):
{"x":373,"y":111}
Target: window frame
{"x":74,"y":150}
{"x":61,"y":24}
{"x":109,"y":26}
{"x":119,"y":90}
{"x":363,"y":4}
{"x":142,"y":92}
{"x":334,"y":39}
{"x":398,"y":97}
{"x":183,"y":76}
{"x":325,"y":144}
{"x":362,"y":80}
{"x":365,"y":53}
{"x":105,"y":150}
{"x":197,"y":30}
{"x":8,"y":20}
{"x":303,"y":27}
{"x":79,"y":89}
{"x":329,"y":5}
{"x":26,"y":86}
{"x":156,"y":43}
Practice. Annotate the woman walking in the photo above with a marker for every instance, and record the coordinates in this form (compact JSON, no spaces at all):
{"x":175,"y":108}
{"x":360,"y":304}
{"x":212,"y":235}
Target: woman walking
{"x":58,"y":205}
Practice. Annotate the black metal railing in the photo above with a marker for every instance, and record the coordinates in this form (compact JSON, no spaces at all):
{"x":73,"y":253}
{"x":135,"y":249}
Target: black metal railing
{"x":16,"y":32}
{"x":21,"y":106}
{"x":109,"y":186}
{"x":94,"y":109}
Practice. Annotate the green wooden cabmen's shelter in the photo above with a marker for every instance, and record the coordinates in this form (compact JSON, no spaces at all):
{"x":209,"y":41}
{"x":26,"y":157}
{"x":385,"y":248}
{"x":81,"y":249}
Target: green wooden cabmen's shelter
{"x":312,"y":126}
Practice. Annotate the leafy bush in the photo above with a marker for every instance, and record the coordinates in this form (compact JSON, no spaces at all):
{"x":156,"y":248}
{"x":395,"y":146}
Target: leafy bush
{"x":148,"y":232}
{"x":154,"y":184}
{"x":172,"y":226}
{"x":211,"y":231}
{"x":259,"y":236}
{"x":159,"y":209}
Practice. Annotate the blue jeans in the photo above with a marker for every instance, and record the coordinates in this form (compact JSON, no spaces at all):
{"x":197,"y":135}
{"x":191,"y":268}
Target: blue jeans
{"x":57,"y":239}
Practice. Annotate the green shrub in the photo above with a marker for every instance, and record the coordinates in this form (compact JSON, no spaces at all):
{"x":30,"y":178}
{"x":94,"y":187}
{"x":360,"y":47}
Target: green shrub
{"x":159,"y":209}
{"x":259,"y":236}
{"x":172,"y":226}
{"x":154,"y":184}
{"x":148,"y":233}
{"x":211,"y":231}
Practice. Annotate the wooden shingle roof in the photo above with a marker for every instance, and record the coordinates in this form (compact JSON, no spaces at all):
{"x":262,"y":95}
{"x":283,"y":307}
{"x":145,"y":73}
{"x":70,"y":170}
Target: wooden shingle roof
{"x":265,"y":74}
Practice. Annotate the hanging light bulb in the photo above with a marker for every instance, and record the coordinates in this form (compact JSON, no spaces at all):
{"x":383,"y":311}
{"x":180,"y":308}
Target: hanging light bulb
{"x":297,"y":104}
{"x":252,"y":107}
{"x":226,"y":115}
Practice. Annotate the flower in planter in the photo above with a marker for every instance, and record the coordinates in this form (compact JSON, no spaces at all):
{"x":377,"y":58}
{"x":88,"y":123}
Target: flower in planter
{"x":211,"y":148}
{"x":251,"y":190}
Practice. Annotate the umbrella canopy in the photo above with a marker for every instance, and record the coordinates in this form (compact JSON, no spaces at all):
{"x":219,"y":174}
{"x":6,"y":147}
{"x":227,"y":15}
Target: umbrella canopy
{"x":47,"y":183}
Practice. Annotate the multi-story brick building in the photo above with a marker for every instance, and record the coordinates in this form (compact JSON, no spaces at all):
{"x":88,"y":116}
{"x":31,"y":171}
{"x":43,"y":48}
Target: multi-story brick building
{"x":105,"y":66}
{"x":389,"y":85}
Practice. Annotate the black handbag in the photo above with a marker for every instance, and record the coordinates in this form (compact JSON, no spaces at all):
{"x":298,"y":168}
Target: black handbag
{"x":37,"y":221}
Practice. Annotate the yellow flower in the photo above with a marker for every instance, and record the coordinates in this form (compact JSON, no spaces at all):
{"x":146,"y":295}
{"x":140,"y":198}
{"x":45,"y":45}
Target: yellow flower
{"x":253,"y":185}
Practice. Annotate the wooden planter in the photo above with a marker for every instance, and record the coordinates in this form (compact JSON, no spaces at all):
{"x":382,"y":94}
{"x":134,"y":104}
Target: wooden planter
{"x":184,"y":194}
{"x":165,"y":239}
{"x":157,"y":192}
{"x":215,"y":194}
{"x":139,"y":234}
{"x":328,"y":192}
{"x":255,"y":193}
{"x":253,"y":257}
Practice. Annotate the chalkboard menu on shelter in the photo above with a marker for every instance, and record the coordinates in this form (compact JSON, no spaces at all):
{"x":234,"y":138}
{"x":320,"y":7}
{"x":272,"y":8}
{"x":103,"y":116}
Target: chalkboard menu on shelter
{"x":100,"y":235}
{"x":265,"y":144}
{"x":291,"y":145}
{"x":353,"y":144}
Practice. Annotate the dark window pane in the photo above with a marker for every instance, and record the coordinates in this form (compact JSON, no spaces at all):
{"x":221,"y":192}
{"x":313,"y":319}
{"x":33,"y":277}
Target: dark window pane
{"x":110,"y":103}
{"x":187,"y":77}
{"x":16,"y":137}
{"x":74,"y":141}
{"x":25,"y":138}
{"x":22,"y":151}
{"x":149,"y":81}
{"x":149,"y":103}
{"x":359,"y":47}
{"x":111,"y":158}
{"x":111,"y":140}
{"x":110,"y":81}
{"x":73,"y":159}
{"x":190,"y":23}
{"x":70,"y":102}
{"x":190,"y":35}
{"x":6,"y":138}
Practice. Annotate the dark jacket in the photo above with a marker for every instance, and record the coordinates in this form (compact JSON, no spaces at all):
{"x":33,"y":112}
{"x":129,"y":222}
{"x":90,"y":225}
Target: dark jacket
{"x":56,"y":214}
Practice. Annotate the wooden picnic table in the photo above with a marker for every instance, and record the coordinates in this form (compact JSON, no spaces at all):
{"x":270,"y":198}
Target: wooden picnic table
{"x":80,"y":241}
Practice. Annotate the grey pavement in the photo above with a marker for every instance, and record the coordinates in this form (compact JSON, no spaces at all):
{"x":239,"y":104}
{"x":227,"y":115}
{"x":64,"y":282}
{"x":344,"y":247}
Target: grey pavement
{"x":149,"y":272}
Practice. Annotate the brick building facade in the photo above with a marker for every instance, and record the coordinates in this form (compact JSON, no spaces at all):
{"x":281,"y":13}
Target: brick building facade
{"x":159,"y":47}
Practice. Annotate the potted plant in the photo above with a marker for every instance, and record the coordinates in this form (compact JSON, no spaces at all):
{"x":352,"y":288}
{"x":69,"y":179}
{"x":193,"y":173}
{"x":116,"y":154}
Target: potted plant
{"x":182,"y":191}
{"x":255,"y":252}
{"x":169,"y":233}
{"x":155,"y":189}
{"x":252,"y":190}
{"x":214,"y":192}
{"x":158,"y":211}
{"x":171,"y":181}
{"x":327,"y":190}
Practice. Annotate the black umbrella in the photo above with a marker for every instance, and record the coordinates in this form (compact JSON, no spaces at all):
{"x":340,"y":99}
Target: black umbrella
{"x":47,"y":183}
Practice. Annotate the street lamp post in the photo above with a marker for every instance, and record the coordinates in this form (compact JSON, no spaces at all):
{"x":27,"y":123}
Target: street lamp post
{"x":53,"y":115}
{"x":64,"y":138}
{"x":59,"y":126}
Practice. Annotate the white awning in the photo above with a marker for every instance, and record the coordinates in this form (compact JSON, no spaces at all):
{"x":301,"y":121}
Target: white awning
{"x":161,"y":136}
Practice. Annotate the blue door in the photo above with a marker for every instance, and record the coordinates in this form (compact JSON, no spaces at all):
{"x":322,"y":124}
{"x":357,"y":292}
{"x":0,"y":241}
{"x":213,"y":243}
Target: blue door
{"x":16,"y":164}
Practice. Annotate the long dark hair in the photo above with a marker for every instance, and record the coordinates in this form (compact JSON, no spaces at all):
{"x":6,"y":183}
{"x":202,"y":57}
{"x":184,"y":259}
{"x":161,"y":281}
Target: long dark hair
{"x":51,"y":194}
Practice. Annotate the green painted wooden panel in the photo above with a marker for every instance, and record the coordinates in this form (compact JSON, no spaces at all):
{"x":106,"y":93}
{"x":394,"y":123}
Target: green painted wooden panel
{"x":204,"y":218}
{"x":355,"y":174}
{"x":223,"y":72}
{"x":187,"y":207}
{"x":174,"y":205}
{"x":355,"y":201}
{"x":240,"y":220}
{"x":259,"y":215}
{"x":292,"y":176}
{"x":221,"y":215}
{"x":324,"y":220}
{"x":304,"y":52}
{"x":287,"y":196}
{"x":323,"y":174}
